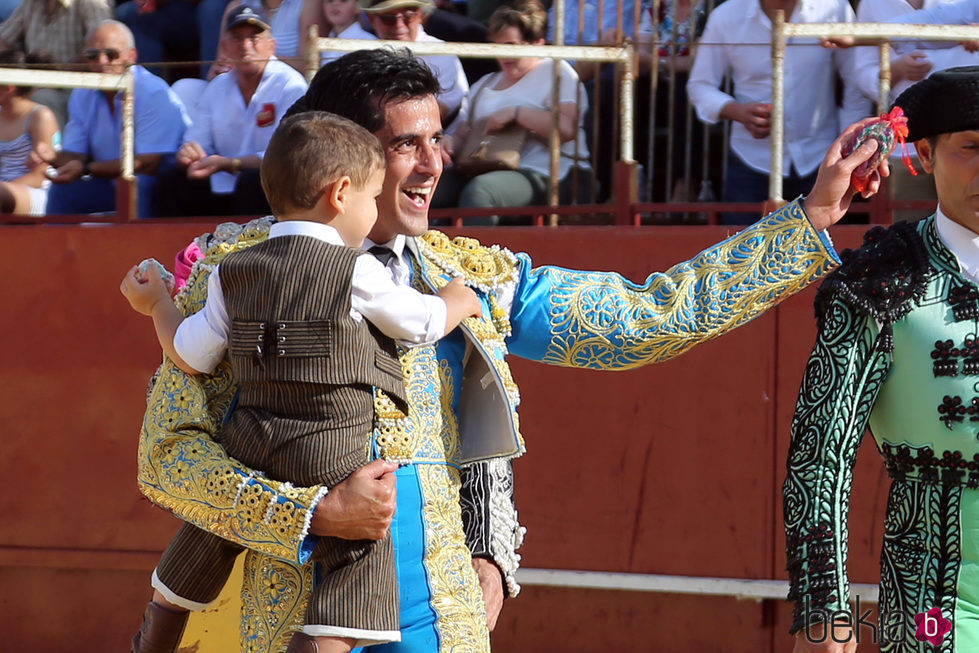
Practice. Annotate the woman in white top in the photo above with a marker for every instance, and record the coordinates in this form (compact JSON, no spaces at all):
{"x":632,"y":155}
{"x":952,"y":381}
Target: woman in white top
{"x":24,"y":124}
{"x":521,"y":94}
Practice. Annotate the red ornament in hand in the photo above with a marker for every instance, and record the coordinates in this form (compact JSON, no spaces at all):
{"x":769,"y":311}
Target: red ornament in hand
{"x":889,"y":130}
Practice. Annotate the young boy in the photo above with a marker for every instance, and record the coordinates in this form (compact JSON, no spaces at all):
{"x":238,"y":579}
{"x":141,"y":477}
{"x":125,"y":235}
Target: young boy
{"x":290,"y":313}
{"x":344,"y":16}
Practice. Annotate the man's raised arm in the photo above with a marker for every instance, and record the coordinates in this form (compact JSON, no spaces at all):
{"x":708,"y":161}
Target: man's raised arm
{"x":600,"y":320}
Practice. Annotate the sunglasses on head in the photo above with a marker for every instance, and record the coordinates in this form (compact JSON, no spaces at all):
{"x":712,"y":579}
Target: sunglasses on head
{"x":392,"y":19}
{"x":92,"y":54}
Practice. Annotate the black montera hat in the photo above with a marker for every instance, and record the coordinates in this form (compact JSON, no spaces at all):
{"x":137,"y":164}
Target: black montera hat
{"x":945,"y":102}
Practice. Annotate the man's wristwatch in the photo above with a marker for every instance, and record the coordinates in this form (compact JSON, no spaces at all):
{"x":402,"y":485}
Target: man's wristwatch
{"x":235,"y":166}
{"x":86,"y":170}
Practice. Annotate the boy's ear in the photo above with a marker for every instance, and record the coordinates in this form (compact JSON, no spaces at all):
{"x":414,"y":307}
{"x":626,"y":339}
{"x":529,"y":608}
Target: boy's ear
{"x":338,"y":193}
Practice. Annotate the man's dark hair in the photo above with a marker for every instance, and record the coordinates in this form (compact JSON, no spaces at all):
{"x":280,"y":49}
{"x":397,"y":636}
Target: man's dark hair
{"x":358,"y":85}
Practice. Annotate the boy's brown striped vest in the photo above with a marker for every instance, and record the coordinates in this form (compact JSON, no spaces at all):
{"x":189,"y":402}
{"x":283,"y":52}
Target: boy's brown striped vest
{"x":298,"y":355}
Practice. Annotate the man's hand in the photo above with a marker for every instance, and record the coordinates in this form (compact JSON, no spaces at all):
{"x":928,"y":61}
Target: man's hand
{"x":913,"y":67}
{"x":831,"y":42}
{"x":190,"y":152}
{"x":361,"y":506}
{"x":204,"y":168}
{"x":71,"y":171}
{"x":491,"y":582}
{"x":501,"y":119}
{"x":830,"y":197}
{"x":970,"y":46}
{"x":755,"y":116}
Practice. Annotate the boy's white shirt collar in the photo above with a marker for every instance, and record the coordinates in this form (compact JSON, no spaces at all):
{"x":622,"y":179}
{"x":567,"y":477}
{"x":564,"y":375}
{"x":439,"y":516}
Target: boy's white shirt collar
{"x":961,"y":241}
{"x":330,"y":235}
{"x":317,"y":230}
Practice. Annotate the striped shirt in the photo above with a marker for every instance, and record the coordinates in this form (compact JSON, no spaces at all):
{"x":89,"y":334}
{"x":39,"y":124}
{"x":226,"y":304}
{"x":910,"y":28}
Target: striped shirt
{"x":62,"y":33}
{"x":14,"y":153}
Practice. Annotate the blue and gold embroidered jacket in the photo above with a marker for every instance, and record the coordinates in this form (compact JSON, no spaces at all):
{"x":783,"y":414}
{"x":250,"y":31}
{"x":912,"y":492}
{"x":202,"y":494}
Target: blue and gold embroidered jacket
{"x":595,"y":320}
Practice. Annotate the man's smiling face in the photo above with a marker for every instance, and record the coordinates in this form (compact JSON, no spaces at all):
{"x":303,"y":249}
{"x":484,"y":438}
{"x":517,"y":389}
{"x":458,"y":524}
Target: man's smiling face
{"x":411,"y":138}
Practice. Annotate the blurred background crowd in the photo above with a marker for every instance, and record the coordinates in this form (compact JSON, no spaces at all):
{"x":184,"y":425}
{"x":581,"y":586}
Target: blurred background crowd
{"x":214,"y":77}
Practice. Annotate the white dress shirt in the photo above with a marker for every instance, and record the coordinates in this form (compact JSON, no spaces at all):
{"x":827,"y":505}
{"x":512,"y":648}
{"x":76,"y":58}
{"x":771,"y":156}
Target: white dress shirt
{"x":224,"y":124}
{"x":960,"y":12}
{"x":737,"y":39}
{"x":394,"y":307}
{"x":947,"y":55}
{"x":961,"y":241}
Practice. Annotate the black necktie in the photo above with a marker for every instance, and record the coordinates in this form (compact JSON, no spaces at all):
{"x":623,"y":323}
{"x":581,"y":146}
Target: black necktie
{"x":382,"y":254}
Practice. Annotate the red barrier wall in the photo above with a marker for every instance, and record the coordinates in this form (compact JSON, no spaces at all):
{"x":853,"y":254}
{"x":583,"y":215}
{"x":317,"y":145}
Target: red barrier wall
{"x":671,"y":469}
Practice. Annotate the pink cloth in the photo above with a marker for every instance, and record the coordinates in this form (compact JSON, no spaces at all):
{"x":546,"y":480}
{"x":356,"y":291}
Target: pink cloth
{"x":184,"y":262}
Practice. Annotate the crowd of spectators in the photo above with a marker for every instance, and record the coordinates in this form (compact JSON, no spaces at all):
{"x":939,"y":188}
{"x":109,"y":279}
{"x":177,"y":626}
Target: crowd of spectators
{"x":219,"y":75}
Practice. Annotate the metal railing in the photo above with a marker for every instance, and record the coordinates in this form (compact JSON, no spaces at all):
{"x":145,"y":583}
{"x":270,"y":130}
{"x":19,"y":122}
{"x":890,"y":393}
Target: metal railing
{"x":622,"y":55}
{"x":882,"y":33}
{"x":126,"y":196}
{"x":740,"y":588}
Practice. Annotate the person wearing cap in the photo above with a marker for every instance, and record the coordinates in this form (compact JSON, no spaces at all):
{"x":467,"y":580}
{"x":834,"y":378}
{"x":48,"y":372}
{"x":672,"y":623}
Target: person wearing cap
{"x":403,"y":20}
{"x":235,"y":117}
{"x":88,"y":165}
{"x":897,"y":350}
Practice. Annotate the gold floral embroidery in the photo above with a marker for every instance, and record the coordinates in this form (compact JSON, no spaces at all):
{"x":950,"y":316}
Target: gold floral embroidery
{"x":456,"y":595}
{"x":602,"y":321}
{"x":390,"y":430}
{"x":274,"y":595}
{"x":180,"y":466}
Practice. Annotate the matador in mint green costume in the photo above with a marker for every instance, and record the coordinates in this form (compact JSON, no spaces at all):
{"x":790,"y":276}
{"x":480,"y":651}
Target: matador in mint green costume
{"x":454,"y":500}
{"x":898,"y":351}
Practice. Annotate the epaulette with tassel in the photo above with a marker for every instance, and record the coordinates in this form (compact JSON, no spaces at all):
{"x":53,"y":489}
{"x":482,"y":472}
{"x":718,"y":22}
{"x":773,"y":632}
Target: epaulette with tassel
{"x":883,"y":279}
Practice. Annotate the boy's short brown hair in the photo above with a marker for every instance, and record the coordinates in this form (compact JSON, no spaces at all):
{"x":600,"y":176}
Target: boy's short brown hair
{"x":312,"y":149}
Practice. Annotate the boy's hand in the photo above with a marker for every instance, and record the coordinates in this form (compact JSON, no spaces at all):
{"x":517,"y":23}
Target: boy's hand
{"x":458,"y":294}
{"x":144,"y":295}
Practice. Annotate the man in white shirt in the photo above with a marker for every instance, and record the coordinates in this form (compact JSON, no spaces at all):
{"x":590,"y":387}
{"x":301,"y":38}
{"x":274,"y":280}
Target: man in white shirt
{"x":737,"y":41}
{"x":401,"y":20}
{"x":235,"y":117}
